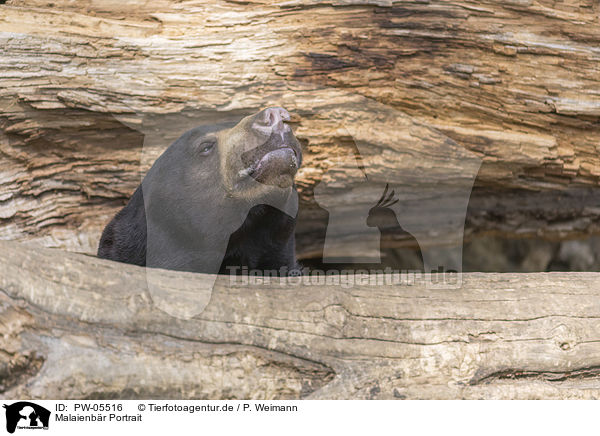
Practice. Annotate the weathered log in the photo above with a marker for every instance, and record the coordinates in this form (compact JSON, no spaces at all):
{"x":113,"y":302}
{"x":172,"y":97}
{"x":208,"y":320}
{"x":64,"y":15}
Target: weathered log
{"x":74,"y":326}
{"x":84,"y":87}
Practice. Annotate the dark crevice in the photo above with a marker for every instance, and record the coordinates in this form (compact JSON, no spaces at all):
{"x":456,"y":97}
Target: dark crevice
{"x":18,"y":369}
{"x":592,"y":372}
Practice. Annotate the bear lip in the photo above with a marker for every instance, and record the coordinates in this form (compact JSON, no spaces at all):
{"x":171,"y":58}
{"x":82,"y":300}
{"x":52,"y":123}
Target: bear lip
{"x":284,"y":159}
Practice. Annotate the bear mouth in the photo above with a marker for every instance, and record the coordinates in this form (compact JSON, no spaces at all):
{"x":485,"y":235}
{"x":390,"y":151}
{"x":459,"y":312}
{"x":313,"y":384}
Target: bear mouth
{"x":271,"y":163}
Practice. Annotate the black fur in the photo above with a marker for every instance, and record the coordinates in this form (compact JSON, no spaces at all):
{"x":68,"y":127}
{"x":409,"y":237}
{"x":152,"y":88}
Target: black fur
{"x":124,"y":238}
{"x":264,"y":242}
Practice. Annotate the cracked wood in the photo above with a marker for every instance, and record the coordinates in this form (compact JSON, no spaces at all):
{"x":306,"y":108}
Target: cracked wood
{"x":82,"y":327}
{"x":82,"y":86}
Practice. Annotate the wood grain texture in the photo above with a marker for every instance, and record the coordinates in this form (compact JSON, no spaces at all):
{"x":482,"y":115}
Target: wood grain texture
{"x":82,"y":327}
{"x":87,"y":88}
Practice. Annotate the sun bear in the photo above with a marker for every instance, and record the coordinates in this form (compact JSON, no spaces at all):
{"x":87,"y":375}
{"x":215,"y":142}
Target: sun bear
{"x":215,"y":200}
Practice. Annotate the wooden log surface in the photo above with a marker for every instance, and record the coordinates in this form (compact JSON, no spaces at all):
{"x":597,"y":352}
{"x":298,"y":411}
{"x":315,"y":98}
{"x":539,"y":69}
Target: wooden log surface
{"x":86,"y":88}
{"x":74,"y":326}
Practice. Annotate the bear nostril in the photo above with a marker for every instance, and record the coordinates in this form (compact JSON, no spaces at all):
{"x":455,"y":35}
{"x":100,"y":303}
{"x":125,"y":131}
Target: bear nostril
{"x":275,"y":116}
{"x":272,"y":121}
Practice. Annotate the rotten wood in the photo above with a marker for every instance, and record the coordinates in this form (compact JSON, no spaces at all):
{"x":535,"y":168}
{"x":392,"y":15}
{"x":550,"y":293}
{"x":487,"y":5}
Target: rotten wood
{"x":74,"y":326}
{"x":88,"y":89}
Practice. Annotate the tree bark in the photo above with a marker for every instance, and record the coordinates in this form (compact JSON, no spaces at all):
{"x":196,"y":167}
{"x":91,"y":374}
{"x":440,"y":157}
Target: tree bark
{"x":426,"y":91}
{"x":82,"y":327}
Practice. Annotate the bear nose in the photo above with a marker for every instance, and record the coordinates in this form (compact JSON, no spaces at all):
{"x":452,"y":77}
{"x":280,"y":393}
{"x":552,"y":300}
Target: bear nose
{"x":273,"y":118}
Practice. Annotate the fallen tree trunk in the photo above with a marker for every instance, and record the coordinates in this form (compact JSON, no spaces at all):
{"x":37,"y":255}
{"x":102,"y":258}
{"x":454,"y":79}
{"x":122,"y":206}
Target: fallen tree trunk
{"x":75,"y":326}
{"x":512,"y":85}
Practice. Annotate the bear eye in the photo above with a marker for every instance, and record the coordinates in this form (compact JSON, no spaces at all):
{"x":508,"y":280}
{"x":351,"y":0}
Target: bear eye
{"x":206,"y":147}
